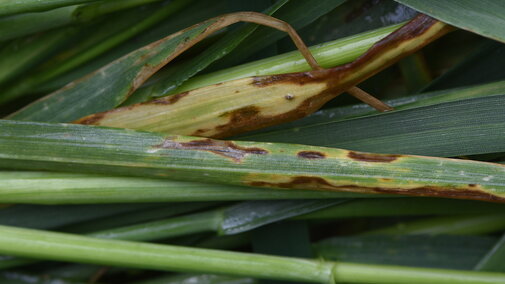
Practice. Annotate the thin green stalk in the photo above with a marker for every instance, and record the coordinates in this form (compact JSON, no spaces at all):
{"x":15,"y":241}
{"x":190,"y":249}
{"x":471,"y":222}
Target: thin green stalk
{"x":168,"y":228}
{"x":372,"y":207}
{"x":67,"y":247}
{"x":68,"y":188}
{"x":8,"y":7}
{"x":233,"y":219}
{"x":138,"y":216}
{"x":453,"y":225}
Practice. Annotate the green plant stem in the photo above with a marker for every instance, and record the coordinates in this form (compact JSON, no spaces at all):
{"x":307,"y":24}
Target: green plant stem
{"x":67,"y":247}
{"x":67,"y":188}
{"x":168,"y":228}
{"x":453,"y":225}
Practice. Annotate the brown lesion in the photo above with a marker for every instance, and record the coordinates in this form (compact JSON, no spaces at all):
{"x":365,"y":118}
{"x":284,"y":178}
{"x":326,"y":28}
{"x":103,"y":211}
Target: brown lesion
{"x":169,"y":100}
{"x":319,"y":183}
{"x":94,"y":119}
{"x":371,"y":157}
{"x":226,"y":149}
{"x":91,"y":119}
{"x":311,"y":155}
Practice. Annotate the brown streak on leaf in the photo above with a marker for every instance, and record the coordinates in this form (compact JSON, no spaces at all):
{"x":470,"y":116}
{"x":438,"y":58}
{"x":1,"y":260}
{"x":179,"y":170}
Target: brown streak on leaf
{"x":371,"y":157}
{"x":226,"y":149}
{"x":319,"y":183}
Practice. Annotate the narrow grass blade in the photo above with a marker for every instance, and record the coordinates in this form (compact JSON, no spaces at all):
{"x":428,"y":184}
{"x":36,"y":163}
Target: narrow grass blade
{"x":464,"y":127}
{"x":66,"y":247}
{"x":440,"y":251}
{"x":112,"y":84}
{"x":105,"y":35}
{"x":143,"y":215}
{"x":483,"y":17}
{"x":67,"y":147}
{"x":49,"y":217}
{"x":25,"y":6}
{"x":481,"y":66}
{"x":246,"y":216}
{"x":493,"y":260}
{"x":452,"y":225}
{"x":22,"y":54}
{"x":29,"y":23}
{"x":372,"y":207}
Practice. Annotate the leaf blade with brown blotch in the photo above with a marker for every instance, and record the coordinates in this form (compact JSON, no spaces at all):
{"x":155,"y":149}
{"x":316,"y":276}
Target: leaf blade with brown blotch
{"x":237,"y":106}
{"x":79,"y":148}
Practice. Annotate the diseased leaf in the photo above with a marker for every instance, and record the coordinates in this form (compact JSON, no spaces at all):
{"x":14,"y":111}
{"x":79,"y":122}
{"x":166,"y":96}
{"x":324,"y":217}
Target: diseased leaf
{"x":247,"y":104}
{"x":484,"y":17}
{"x":79,"y":148}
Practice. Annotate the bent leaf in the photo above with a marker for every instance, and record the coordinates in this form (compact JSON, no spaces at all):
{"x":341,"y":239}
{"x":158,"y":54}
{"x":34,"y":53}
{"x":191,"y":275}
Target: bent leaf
{"x":79,"y":148}
{"x":247,"y":104}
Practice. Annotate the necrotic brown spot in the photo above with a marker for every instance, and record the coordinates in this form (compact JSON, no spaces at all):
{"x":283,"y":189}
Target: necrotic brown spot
{"x":370,"y":157}
{"x":311,"y":155}
{"x":226,"y":149}
{"x":169,"y":100}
